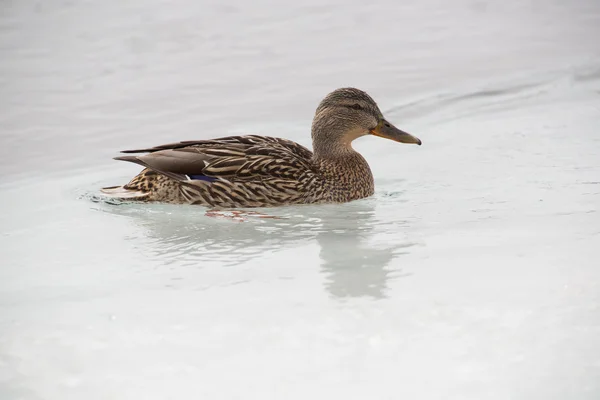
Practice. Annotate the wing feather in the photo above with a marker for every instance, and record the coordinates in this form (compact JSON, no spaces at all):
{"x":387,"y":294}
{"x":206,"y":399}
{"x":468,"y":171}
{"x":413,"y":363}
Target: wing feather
{"x":247,"y":169}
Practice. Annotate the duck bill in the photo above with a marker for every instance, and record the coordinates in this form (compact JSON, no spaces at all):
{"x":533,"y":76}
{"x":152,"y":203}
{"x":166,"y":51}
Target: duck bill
{"x":386,"y":130}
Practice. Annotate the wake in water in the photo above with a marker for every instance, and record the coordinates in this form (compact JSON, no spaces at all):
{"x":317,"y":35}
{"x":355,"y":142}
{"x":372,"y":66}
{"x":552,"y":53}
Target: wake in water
{"x":233,"y":215}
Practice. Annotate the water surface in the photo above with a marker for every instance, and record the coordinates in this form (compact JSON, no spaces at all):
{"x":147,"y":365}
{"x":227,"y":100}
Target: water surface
{"x":472,"y":273}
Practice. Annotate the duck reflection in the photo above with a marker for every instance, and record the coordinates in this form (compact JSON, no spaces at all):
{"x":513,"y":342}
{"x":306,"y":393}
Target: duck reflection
{"x":353,"y":258}
{"x":354,"y":264}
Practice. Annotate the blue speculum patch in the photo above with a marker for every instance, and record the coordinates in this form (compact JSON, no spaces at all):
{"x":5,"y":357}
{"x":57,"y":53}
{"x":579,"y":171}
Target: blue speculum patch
{"x":202,"y":178}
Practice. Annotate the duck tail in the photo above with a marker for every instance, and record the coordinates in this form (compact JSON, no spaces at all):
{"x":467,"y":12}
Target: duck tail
{"x":121,"y":192}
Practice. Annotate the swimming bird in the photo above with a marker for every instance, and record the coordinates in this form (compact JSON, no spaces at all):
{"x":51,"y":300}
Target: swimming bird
{"x":261,"y":171}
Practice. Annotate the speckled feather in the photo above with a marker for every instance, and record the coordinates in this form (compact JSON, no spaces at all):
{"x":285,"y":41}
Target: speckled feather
{"x":250,"y":171}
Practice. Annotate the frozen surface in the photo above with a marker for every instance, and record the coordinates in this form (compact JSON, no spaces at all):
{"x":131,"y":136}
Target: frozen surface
{"x":472,"y":273}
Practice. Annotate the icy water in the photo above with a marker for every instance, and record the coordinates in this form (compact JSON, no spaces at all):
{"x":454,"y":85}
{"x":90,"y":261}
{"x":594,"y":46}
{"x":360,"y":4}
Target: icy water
{"x":473,"y":273}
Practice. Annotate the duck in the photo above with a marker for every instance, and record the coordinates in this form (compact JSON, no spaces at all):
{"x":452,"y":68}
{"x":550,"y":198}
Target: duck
{"x":252,"y":171}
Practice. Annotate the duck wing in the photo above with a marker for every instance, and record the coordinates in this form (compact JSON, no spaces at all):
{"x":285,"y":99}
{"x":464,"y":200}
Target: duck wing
{"x":233,"y":170}
{"x":233,"y":143}
{"x":234,"y":156}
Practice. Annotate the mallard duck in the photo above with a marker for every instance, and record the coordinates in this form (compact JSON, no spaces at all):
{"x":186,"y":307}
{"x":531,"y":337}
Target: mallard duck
{"x":261,"y":171}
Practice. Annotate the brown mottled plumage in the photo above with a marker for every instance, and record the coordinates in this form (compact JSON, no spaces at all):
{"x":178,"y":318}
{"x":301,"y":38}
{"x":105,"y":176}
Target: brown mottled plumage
{"x":261,"y":171}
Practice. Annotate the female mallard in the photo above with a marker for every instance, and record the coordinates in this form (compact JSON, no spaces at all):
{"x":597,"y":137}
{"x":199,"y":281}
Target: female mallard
{"x":259,"y":171}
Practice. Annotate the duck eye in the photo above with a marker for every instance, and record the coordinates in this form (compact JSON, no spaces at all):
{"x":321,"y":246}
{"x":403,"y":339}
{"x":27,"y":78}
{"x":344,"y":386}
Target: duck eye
{"x":356,"y":107}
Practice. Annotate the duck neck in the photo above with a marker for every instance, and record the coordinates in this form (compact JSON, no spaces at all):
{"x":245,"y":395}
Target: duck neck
{"x":333,"y":151}
{"x":333,"y":141}
{"x":340,"y":165}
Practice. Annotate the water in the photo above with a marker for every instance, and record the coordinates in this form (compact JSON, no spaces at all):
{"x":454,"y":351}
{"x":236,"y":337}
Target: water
{"x":472,"y":273}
